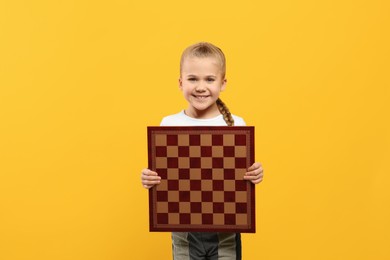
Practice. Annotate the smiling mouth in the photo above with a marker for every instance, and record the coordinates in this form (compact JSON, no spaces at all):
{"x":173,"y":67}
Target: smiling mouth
{"x":200,"y":97}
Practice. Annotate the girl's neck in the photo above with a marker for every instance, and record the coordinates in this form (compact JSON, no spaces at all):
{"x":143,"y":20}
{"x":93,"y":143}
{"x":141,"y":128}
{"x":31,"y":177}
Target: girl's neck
{"x":202,"y":114}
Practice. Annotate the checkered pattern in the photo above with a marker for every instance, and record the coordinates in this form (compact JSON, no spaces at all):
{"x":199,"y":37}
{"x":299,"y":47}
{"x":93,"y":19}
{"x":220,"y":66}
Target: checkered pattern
{"x":202,"y":186}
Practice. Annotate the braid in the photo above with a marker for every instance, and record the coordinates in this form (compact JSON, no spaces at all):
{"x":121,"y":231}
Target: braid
{"x":227,"y":116}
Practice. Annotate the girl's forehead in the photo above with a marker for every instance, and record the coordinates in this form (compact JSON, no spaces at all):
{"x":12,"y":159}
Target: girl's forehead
{"x":200,"y":64}
{"x":194,"y":59}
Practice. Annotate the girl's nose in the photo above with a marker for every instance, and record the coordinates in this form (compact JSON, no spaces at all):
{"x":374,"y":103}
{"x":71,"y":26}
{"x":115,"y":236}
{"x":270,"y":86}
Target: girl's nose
{"x":200,"y":87}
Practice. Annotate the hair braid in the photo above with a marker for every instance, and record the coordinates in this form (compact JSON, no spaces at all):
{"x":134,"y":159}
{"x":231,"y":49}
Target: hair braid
{"x":227,"y":116}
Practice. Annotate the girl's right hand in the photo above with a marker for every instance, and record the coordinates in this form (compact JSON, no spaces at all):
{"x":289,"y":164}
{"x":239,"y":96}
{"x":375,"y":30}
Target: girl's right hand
{"x":149,"y":178}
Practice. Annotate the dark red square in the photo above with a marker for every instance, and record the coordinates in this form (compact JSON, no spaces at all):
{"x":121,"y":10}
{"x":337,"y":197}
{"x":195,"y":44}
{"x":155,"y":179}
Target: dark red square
{"x":172,"y":162}
{"x":230,"y":196}
{"x":218,"y":185}
{"x":217,"y":162}
{"x":229,"y":174}
{"x":207,"y":196}
{"x":162,"y":195}
{"x":162,"y":218}
{"x":183,"y":151}
{"x":171,"y":139}
{"x":241,"y":208}
{"x":161,"y":151}
{"x":162,"y":173}
{"x":217,"y":140}
{"x":173,"y":184}
{"x":184,"y":195}
{"x":206,"y":174}
{"x":194,"y":139}
{"x":184,"y":174}
{"x":218,"y":207}
{"x":240,"y":163}
{"x":173,"y":207}
{"x":196,"y":207}
{"x":240,"y":140}
{"x":206,"y":151}
{"x":195,"y":185}
{"x":207,"y":219}
{"x":241,"y":185}
{"x":228,"y":151}
{"x":194,"y":162}
{"x":185,"y":218}
{"x":230,"y":219}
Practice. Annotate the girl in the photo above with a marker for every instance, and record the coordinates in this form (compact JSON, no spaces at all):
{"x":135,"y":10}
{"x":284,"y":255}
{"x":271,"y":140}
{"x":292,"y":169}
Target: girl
{"x":202,"y":78}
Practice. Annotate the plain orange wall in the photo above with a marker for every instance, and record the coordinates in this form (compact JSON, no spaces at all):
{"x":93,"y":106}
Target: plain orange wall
{"x":81,"y":80}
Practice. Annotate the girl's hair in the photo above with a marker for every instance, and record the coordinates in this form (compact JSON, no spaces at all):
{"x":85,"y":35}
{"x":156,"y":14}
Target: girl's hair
{"x":203,"y":50}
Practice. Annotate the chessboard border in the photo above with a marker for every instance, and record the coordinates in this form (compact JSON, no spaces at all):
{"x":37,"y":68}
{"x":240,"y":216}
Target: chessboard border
{"x":251,"y":227}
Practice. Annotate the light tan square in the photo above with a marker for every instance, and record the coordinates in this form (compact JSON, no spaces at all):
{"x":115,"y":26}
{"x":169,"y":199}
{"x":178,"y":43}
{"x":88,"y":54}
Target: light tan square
{"x":163,"y":185}
{"x":206,"y":162}
{"x":184,"y":185}
{"x":172,"y":151}
{"x":184,"y":207}
{"x":229,"y":185}
{"x":162,"y":207}
{"x":218,"y":174}
{"x":218,"y":196}
{"x":173,"y":195}
{"x":241,"y":196}
{"x":207,"y":207}
{"x":184,"y":162}
{"x":217,"y":151}
{"x":183,"y":140}
{"x":160,"y":139}
{"x":239,"y":174}
{"x":196,"y":218}
{"x":161,"y":162}
{"x":195,"y":196}
{"x":194,"y":151}
{"x":240,"y":151}
{"x":173,"y":174}
{"x":205,"y":140}
{"x":195,"y":174}
{"x":228,"y":140}
{"x":173,"y":218}
{"x":241,"y":219}
{"x":207,"y":185}
{"x":230,"y":207}
{"x":229,"y":163}
{"x":218,"y":219}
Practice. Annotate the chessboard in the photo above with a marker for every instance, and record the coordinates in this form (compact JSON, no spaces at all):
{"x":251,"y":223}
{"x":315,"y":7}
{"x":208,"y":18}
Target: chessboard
{"x":202,"y":186}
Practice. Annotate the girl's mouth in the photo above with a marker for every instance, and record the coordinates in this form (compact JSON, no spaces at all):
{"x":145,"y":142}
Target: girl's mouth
{"x":200,"y":96}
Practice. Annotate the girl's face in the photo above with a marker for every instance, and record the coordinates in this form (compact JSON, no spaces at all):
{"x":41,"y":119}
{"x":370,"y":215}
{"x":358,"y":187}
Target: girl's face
{"x":201,"y":82}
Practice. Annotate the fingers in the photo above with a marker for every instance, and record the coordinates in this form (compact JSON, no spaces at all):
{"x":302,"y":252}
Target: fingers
{"x":149,"y":178}
{"x":255,"y":173}
{"x":255,"y":166}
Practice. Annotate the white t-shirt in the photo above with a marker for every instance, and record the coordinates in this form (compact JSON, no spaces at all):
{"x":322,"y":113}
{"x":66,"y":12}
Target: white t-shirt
{"x":181,"y":119}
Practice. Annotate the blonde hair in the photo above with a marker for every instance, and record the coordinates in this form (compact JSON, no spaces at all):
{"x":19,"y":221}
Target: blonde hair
{"x":203,"y":50}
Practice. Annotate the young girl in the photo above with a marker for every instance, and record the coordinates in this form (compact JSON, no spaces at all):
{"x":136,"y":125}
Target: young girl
{"x":202,"y":78}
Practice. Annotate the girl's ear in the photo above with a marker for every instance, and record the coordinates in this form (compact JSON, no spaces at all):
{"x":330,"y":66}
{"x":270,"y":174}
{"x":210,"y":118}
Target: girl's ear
{"x":180,"y":84}
{"x":223,"y":86}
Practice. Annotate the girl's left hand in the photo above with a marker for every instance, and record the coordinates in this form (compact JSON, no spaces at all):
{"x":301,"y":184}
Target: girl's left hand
{"x":255,"y":173}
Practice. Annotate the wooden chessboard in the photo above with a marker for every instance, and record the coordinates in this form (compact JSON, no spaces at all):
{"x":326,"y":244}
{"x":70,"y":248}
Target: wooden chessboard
{"x":202,"y":186}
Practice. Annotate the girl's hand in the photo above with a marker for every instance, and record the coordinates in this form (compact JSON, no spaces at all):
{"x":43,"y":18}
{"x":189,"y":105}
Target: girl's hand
{"x":255,"y":173}
{"x":149,"y":178}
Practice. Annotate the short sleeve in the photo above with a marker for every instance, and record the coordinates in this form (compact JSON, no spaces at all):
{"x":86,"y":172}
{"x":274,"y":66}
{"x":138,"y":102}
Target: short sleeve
{"x":162,"y":123}
{"x":239,"y":121}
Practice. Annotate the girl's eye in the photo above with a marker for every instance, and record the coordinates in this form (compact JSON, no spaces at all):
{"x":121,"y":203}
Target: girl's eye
{"x":192,"y":79}
{"x":210,"y":80}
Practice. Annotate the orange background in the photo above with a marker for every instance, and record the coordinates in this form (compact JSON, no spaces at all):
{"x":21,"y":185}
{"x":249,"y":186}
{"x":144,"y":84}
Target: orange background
{"x":81,"y":80}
